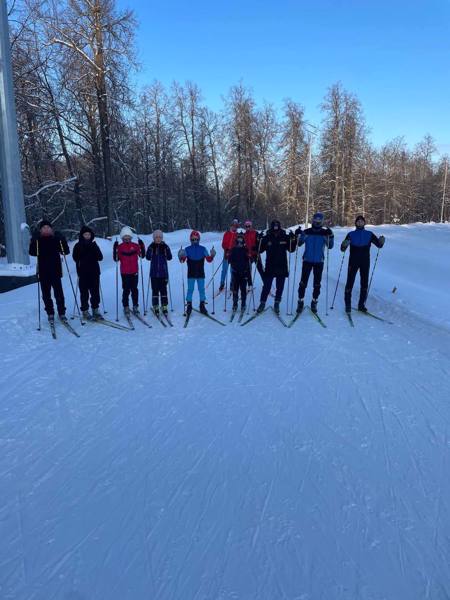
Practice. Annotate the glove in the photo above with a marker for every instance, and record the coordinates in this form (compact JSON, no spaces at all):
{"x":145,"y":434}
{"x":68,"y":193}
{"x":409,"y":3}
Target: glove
{"x":140,"y":242}
{"x":345,"y":244}
{"x":35,"y":235}
{"x":115,"y":245}
{"x":212,"y":253}
{"x":298,"y":231}
{"x":291,"y":234}
{"x":181,"y":253}
{"x":329,"y":232}
{"x":381,"y":239}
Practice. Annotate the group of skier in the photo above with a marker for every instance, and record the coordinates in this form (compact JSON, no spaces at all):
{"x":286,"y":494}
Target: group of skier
{"x":242,"y":249}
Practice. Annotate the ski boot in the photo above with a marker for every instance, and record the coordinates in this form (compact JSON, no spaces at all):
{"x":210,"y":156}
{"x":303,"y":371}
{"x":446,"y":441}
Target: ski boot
{"x":300,"y":305}
{"x":188,"y":308}
{"x":243,"y":307}
{"x":165,"y":310}
{"x":85,"y":315}
{"x":202,"y":308}
{"x":51,"y":319}
{"x":314,"y":306}
{"x":96,"y":314}
{"x":221,"y":287}
{"x":276,"y":307}
{"x":136,"y":310}
{"x":156,"y":310}
{"x":234,"y":307}
{"x":261,"y":307}
{"x":126,"y":311}
{"x":62,"y":317}
{"x":348,"y":308}
{"x":362,"y":308}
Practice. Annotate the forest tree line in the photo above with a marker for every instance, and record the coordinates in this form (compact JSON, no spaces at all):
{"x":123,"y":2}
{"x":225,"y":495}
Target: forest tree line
{"x":97,"y":151}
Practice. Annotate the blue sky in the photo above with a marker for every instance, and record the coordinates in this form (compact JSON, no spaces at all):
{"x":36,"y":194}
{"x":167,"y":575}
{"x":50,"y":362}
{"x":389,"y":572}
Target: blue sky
{"x":395,"y":56}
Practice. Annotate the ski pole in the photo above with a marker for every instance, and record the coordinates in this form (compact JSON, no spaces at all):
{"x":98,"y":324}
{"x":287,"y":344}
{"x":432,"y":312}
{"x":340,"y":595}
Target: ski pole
{"x":142,"y":283}
{"x":184,"y":293}
{"x":226,"y":292}
{"x":337,"y":283}
{"x":71,"y":282}
{"x":326,"y":288}
{"x":101,"y":294}
{"x":76,"y":292}
{"x":39,"y":285}
{"x":295,"y":277}
{"x":254,"y":270}
{"x":168,"y":283}
{"x":148,"y":291}
{"x":373,"y":271}
{"x":213,"y":287}
{"x":214,"y":274}
{"x":116,"y":258}
{"x":289,"y":281}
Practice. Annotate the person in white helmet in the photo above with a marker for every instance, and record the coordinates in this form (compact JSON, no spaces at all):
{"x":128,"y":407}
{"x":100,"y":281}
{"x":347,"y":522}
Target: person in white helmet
{"x":128,"y":253}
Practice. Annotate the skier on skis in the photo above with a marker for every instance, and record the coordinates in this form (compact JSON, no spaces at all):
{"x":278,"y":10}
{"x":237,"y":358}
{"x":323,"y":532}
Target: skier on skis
{"x":359,"y":241}
{"x":252,"y":238}
{"x":316,"y":238}
{"x":48,"y":245}
{"x":195,"y":256}
{"x":240,"y":271}
{"x":87,"y":255}
{"x":276,"y":243}
{"x":158,"y":253}
{"x":228,"y":241}
{"x":128,"y":253}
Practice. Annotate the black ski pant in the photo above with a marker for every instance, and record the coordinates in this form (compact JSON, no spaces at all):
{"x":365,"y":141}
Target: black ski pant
{"x":259,"y":268}
{"x":159,"y":287}
{"x":130,"y":286}
{"x":239,"y":283}
{"x":89,"y":286}
{"x":317,"y":269}
{"x":353,"y":269}
{"x":46,"y":286}
{"x":268,"y":279}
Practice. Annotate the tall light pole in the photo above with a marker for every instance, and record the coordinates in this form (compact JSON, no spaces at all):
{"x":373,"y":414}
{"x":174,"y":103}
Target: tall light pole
{"x":311,"y":132}
{"x":16,"y":229}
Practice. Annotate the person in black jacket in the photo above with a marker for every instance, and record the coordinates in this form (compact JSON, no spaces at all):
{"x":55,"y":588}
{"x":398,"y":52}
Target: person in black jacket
{"x":276,"y":244}
{"x":158,"y":253}
{"x":239,"y":261}
{"x":87,"y":255}
{"x":48,"y":246}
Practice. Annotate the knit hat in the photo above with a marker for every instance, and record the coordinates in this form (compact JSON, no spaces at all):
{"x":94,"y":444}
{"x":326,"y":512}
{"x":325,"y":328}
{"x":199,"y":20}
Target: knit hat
{"x":126,"y":231}
{"x":248,"y":223}
{"x":194,"y":234}
{"x":360,"y":218}
{"x":159,"y":233}
{"x":86,"y":229}
{"x":275,"y":224}
{"x":45,"y":222}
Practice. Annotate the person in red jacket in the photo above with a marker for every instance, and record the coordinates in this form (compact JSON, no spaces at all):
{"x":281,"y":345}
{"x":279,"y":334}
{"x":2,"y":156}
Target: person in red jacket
{"x":128,"y":253}
{"x":252,"y":239}
{"x":228,"y":242}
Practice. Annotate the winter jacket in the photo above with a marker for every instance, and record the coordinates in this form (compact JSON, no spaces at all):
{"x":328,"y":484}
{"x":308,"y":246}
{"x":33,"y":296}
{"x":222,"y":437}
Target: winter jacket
{"x":239,"y":260}
{"x":276,"y":245}
{"x":315,"y":240}
{"x":195,"y":257}
{"x":159,"y":254}
{"x":228,"y":241}
{"x":48,"y":249}
{"x":360,"y":242}
{"x":87,"y":254}
{"x":128,"y":253}
{"x":251,"y":241}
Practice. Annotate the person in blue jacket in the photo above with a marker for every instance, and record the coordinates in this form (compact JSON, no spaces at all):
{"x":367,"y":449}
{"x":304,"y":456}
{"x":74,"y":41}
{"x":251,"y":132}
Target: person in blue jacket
{"x":195,"y":256}
{"x":158,"y":253}
{"x":316,"y":238}
{"x":359,"y":241}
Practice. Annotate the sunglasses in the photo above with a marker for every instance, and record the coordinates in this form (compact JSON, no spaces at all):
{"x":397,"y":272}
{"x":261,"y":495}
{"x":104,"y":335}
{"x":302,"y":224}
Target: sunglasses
{"x":194,"y":239}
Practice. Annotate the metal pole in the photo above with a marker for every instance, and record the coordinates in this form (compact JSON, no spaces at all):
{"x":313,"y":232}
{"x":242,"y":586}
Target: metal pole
{"x":308,"y":185}
{"x":443,"y":192}
{"x":16,"y":229}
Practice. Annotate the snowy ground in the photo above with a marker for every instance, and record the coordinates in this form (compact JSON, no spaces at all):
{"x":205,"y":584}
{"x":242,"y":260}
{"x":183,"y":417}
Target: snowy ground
{"x":229,"y":463}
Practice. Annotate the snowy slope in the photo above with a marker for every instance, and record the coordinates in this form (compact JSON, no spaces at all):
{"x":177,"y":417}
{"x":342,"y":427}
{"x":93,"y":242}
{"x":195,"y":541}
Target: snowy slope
{"x":233,"y":463}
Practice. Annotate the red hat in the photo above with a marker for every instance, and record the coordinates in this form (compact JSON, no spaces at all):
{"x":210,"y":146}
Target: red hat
{"x":194,"y":234}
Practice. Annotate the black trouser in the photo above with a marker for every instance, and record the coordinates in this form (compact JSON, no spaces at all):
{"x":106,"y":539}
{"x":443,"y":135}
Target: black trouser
{"x":89,"y":284}
{"x":159,"y":286}
{"x":239,"y":282}
{"x":268,"y":285}
{"x":130,"y":285}
{"x":259,"y":268}
{"x":46,"y":287}
{"x":351,"y":275}
{"x":317,"y":269}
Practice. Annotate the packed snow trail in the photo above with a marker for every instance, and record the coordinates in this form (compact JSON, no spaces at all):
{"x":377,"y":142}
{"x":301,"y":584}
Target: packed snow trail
{"x":232,"y":463}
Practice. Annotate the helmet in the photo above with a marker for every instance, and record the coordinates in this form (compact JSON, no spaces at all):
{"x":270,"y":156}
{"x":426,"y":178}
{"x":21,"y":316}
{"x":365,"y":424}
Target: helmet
{"x":248,"y":223}
{"x":195,"y":234}
{"x":126,"y":231}
{"x":318,"y":219}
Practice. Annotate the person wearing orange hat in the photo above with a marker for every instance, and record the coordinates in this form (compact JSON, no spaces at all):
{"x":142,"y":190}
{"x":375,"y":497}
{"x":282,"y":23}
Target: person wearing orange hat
{"x":195,"y":256}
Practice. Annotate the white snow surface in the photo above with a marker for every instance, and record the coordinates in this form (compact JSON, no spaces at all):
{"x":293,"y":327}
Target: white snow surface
{"x":233,"y":463}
